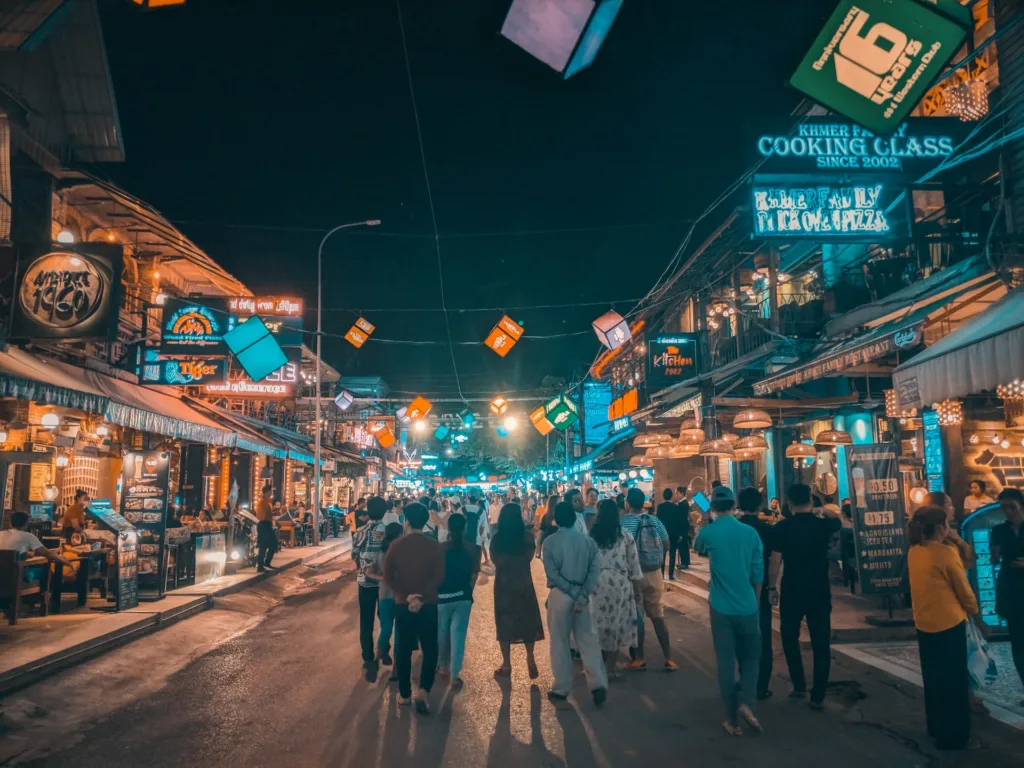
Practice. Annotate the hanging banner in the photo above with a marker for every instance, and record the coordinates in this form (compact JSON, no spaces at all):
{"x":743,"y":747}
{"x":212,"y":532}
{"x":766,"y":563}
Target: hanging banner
{"x":875,"y":59}
{"x":144,"y":485}
{"x":70,"y":293}
{"x":879,"y":518}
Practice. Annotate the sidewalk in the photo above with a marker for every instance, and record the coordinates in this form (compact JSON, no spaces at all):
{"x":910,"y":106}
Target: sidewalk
{"x":892,"y":650}
{"x":39,"y":646}
{"x":851,"y":614}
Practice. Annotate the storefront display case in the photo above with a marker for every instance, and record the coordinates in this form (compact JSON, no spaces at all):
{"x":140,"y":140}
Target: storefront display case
{"x":976,"y":530}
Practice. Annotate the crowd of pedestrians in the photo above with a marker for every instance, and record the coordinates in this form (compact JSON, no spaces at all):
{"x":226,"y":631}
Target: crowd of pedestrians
{"x":605,"y":562}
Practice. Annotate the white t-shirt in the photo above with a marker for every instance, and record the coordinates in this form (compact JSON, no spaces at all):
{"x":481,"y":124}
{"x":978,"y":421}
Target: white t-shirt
{"x":20,"y":541}
{"x":971,"y":503}
{"x":476,"y":537}
{"x":390,"y":517}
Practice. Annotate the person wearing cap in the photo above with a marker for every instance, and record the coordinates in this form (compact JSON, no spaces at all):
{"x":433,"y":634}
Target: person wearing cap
{"x":737,"y":569}
{"x":804,"y":541}
{"x":652,"y":545}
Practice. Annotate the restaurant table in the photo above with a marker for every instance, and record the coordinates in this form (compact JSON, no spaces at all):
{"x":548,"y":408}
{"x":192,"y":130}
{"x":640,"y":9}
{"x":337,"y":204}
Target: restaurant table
{"x":81,"y":578}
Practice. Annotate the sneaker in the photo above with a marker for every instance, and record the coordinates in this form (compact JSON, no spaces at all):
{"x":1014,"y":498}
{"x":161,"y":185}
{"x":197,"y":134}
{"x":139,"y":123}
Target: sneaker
{"x":671,"y":666}
{"x":260,"y":569}
{"x":371,"y":672}
{"x":818,"y":705}
{"x":385,"y":658}
{"x":599,"y":695}
{"x":748,"y":715}
{"x":762,"y":695}
{"x":795,"y":694}
{"x":420,"y":700}
{"x":556,"y":697}
{"x":636,"y":665}
{"x":404,"y":701}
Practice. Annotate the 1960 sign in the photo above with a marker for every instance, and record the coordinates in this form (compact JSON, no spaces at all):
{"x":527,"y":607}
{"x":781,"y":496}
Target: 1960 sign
{"x":69,"y":294}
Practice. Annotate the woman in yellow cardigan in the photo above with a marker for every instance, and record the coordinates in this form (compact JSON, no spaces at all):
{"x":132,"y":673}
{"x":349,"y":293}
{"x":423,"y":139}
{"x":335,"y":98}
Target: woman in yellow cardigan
{"x":943,"y":601}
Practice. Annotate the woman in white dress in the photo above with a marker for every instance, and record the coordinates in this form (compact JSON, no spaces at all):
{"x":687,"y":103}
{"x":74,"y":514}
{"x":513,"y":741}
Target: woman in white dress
{"x":614,"y":605}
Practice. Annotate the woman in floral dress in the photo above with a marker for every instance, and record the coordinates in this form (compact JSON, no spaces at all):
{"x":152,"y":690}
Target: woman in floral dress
{"x":614,"y":606}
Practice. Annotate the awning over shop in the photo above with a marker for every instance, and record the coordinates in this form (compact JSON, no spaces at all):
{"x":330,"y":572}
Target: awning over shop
{"x":986,"y":351}
{"x":902,"y":329}
{"x":294,"y":444}
{"x":246,"y":438}
{"x":30,"y":377}
{"x":589,"y":462}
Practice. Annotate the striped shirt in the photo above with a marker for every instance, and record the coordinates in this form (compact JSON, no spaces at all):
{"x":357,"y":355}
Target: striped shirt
{"x":631,"y":524}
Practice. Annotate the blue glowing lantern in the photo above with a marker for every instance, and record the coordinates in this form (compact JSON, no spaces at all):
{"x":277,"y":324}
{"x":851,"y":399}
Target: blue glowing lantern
{"x":441,"y":432}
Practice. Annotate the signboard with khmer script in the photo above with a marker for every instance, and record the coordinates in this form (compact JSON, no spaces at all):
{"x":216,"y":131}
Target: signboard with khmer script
{"x":875,"y":59}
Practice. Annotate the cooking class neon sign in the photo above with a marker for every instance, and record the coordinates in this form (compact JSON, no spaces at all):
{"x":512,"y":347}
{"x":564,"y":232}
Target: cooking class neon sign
{"x":847,"y":146}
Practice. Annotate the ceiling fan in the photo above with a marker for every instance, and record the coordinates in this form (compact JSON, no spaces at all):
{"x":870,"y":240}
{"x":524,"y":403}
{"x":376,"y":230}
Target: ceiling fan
{"x":869,"y":402}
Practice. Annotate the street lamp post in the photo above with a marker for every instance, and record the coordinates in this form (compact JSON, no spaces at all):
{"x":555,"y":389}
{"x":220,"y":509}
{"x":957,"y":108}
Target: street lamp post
{"x":319,"y":329}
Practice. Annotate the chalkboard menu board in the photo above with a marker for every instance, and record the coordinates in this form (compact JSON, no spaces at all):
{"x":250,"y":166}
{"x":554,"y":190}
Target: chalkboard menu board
{"x":127,"y":570}
{"x":127,"y":552}
{"x":144,"y":483}
{"x":879,"y":520}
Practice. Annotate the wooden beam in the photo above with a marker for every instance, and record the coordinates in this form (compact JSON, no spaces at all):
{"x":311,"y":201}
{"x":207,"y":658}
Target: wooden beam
{"x":769,"y":404}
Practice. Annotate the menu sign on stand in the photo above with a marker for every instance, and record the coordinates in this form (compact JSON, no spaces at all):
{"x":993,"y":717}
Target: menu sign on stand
{"x":127,"y":553}
{"x":880,"y":519}
{"x":144,"y":485}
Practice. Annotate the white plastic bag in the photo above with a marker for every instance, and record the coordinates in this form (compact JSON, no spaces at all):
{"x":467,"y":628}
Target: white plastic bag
{"x":980,"y":665}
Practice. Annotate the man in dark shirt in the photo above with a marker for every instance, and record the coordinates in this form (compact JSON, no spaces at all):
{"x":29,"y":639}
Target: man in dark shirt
{"x":1007,"y":548}
{"x":803,"y":540}
{"x":677,"y":523}
{"x":749,"y":502}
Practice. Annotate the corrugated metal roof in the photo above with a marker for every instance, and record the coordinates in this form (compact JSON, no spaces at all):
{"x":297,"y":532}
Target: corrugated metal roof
{"x":19,"y":21}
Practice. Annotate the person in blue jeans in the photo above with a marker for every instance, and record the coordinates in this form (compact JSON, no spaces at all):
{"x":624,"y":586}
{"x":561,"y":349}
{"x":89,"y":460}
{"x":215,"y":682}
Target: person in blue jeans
{"x":386,"y":601}
{"x":737,"y":570}
{"x":455,"y":600}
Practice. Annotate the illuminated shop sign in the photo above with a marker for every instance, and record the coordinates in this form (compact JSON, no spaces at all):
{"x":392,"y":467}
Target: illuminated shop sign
{"x":830,"y":143}
{"x":825,"y":211}
{"x":191,"y":326}
{"x":671,"y":359}
{"x":875,"y":59}
{"x":282,"y":383}
{"x":621,"y":423}
{"x":265,"y":305}
{"x":183,"y":373}
{"x":70,"y":294}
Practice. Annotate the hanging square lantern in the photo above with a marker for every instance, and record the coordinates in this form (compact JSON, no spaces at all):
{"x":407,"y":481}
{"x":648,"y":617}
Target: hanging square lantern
{"x":385,"y":437}
{"x":612,"y":330}
{"x":499,"y":406}
{"x":467,"y":417}
{"x":540,"y":421}
{"x":967,"y":100}
{"x":441,"y":432}
{"x":419,"y":408}
{"x":402,"y":414}
{"x":950,"y":412}
{"x":343,"y":400}
{"x":359,"y":333}
{"x":561,"y":412}
{"x":504,"y":335}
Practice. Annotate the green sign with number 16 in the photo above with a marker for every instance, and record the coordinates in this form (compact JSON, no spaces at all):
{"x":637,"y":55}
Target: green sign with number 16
{"x":875,"y":59}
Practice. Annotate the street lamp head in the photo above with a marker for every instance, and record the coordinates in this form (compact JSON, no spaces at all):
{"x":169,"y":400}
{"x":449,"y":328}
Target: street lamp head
{"x":372,"y":222}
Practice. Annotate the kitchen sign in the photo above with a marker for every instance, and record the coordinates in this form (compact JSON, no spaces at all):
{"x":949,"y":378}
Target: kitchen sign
{"x":875,"y":59}
{"x":70,"y":293}
{"x":671,"y":359}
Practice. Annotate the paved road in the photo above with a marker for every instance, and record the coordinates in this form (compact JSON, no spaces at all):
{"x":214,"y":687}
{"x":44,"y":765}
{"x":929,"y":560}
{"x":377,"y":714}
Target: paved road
{"x":284,"y":688}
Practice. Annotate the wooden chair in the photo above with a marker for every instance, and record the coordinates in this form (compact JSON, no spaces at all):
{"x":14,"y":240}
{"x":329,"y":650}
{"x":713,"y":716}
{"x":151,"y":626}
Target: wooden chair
{"x":13,"y":589}
{"x":286,"y":534}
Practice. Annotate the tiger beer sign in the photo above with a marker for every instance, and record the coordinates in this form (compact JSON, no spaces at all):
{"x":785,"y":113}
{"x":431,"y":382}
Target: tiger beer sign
{"x":875,"y":59}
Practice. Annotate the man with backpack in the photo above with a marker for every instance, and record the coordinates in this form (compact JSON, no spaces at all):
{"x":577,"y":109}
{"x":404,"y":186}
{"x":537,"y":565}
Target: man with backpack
{"x":651,"y":545}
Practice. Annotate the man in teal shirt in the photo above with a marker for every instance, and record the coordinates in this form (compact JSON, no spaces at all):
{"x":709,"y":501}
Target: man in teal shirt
{"x":737,"y":569}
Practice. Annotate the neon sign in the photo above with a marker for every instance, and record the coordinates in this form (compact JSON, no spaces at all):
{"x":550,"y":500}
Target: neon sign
{"x":846,"y":146}
{"x":193,"y":326}
{"x":823,"y":211}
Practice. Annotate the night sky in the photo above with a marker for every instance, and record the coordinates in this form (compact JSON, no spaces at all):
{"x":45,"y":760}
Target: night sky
{"x":256,"y":126}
